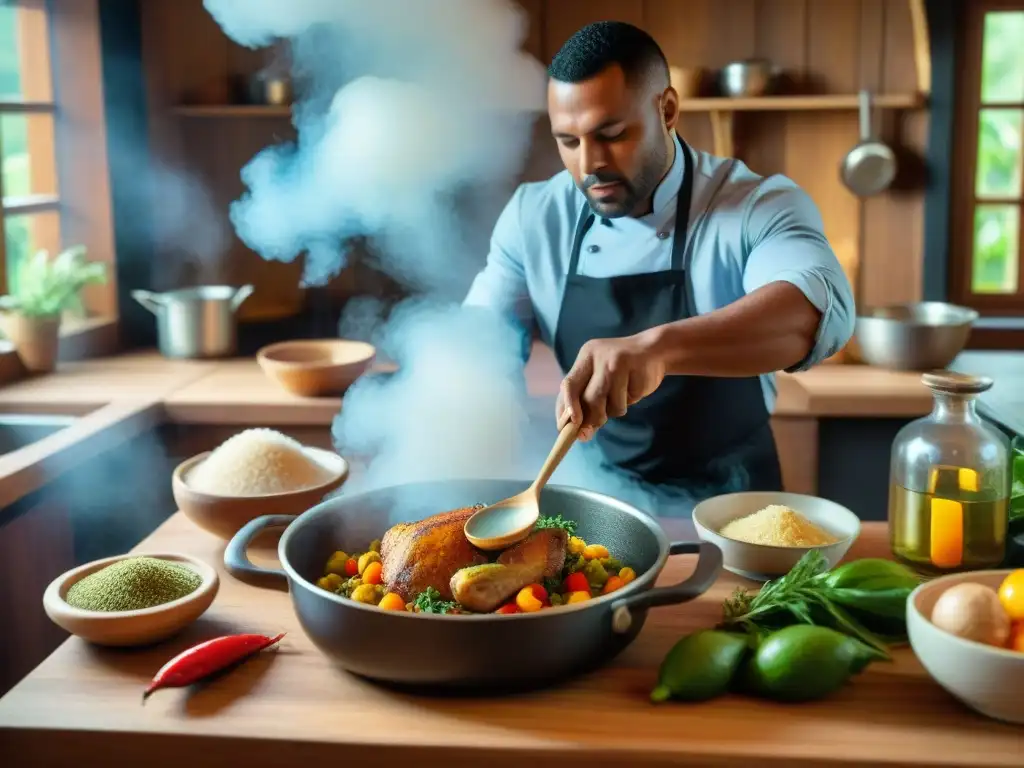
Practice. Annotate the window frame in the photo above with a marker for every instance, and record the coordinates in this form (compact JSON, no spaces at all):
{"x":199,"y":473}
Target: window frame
{"x":82,"y":201}
{"x":968,"y":106}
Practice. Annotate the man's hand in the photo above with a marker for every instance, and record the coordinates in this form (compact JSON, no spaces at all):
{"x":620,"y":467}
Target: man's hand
{"x":609,"y":375}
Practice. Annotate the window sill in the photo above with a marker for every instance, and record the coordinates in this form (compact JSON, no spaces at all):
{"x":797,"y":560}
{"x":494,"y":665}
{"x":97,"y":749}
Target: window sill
{"x":80,"y":339}
{"x":997,"y":333}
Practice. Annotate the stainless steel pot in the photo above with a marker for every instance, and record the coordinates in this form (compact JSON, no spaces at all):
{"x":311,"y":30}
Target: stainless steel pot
{"x":486,"y":651}
{"x":196,"y":322}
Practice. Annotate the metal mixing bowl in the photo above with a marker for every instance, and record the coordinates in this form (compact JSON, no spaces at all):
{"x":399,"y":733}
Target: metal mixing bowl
{"x":747,"y":78}
{"x":913,"y":337}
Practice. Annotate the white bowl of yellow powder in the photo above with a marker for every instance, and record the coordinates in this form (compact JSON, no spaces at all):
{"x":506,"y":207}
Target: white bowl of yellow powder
{"x":762,"y":535}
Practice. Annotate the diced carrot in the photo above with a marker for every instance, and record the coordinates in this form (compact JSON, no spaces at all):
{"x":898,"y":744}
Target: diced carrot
{"x":613,"y":583}
{"x":392,"y":602}
{"x":351,"y":567}
{"x":371,"y":574}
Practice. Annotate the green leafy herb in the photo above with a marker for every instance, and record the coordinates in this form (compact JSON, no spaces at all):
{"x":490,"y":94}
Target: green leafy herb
{"x":429,"y":601}
{"x":803,"y":597}
{"x":557,"y":521}
{"x":44,"y":287}
{"x":1017,"y":490}
{"x":552,"y":585}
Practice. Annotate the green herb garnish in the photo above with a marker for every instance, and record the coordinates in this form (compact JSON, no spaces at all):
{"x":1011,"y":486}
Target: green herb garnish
{"x":799,"y":597}
{"x":557,"y":521}
{"x":1017,"y":476}
{"x":429,"y":601}
{"x":552,"y":585}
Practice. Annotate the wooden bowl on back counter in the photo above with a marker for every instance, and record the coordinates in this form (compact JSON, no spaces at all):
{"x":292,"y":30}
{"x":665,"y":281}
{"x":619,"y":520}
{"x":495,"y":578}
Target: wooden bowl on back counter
{"x":316,"y":367}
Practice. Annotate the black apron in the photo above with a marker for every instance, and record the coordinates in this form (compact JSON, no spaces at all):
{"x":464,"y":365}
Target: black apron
{"x":702,"y":434}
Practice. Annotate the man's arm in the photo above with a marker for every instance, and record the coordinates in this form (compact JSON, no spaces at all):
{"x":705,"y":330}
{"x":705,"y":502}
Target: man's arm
{"x":501,"y":285}
{"x":799,"y":308}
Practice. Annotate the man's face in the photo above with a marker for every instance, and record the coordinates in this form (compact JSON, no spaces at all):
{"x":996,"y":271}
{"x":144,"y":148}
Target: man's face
{"x":612,"y":139}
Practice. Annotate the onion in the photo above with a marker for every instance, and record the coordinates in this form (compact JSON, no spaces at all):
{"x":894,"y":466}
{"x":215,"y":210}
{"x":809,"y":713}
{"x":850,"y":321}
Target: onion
{"x":973,"y":612}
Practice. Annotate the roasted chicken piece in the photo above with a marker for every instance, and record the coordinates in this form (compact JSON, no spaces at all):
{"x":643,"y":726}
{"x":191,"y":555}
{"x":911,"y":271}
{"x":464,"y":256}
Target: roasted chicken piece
{"x":427,"y":553}
{"x":482,"y":588}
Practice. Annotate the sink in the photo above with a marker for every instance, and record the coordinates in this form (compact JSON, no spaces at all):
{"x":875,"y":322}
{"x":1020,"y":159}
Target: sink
{"x":18,"y":429}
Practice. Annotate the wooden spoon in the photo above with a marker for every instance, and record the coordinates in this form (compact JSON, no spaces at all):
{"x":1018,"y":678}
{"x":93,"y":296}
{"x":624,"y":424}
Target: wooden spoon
{"x":503,"y":524}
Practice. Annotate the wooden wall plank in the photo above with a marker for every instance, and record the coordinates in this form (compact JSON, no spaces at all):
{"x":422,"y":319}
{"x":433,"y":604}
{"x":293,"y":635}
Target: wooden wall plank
{"x":564,"y":17}
{"x":781,"y":37}
{"x":894,"y":221}
{"x":685,"y":33}
{"x":817,"y":142}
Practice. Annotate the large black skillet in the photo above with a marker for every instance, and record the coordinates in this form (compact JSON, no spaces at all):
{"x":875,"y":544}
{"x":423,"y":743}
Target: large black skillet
{"x":525,"y":650}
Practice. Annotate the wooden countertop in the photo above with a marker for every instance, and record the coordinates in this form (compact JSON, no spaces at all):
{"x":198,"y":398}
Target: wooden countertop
{"x":120,"y":396}
{"x":292,"y":707}
{"x":226,"y":391}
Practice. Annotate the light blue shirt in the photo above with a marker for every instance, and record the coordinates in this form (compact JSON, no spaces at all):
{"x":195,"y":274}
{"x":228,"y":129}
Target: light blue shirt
{"x":745,"y":231}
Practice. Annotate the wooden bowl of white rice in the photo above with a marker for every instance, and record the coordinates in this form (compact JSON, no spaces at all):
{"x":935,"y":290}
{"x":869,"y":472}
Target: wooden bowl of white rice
{"x":255,"y":472}
{"x":763,"y":534}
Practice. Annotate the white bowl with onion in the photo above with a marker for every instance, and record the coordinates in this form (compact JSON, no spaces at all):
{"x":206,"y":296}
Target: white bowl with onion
{"x":987,"y":678}
{"x":761,"y":562}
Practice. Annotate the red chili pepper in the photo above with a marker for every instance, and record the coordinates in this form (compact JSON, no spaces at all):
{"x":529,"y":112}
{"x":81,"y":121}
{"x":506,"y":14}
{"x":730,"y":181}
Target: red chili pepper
{"x":202,"y":660}
{"x":508,"y":608}
{"x":576,"y":582}
{"x":351,"y":567}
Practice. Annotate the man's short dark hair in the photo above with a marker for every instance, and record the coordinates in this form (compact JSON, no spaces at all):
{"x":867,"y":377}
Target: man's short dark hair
{"x":605,"y":43}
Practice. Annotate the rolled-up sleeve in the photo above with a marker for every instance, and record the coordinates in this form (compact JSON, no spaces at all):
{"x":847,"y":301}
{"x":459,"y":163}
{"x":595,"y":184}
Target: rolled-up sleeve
{"x":785,"y":240}
{"x":501,"y":285}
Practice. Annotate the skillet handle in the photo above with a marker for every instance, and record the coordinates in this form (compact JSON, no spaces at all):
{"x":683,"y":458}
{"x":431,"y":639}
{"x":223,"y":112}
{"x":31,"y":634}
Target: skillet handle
{"x":236,"y":557}
{"x":709,"y":566}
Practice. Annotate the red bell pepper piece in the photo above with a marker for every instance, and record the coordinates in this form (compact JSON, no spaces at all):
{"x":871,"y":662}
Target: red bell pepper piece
{"x":576,"y":582}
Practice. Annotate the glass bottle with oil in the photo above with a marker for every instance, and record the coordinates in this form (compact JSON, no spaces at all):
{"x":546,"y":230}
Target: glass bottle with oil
{"x":949,"y":485}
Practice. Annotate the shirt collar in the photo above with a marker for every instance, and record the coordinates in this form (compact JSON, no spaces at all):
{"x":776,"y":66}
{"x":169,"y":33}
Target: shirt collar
{"x":666,"y":192}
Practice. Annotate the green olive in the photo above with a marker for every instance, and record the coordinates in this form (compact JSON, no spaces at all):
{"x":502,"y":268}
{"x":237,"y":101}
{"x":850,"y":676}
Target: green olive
{"x":366,"y":593}
{"x":336,"y":563}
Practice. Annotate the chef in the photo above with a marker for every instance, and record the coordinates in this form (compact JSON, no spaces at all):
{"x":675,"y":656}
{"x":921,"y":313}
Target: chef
{"x":670,"y":283}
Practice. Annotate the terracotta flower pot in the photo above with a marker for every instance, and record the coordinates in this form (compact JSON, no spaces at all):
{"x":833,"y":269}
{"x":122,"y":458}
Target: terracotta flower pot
{"x":35,"y":339}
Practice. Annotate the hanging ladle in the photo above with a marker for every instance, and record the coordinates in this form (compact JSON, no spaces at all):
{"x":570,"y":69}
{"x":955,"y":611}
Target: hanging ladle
{"x":503,"y":524}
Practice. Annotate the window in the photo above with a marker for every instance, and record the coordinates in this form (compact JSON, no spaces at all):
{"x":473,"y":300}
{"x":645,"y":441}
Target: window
{"x":987,"y":255}
{"x":30,"y":200}
{"x":54,"y":176}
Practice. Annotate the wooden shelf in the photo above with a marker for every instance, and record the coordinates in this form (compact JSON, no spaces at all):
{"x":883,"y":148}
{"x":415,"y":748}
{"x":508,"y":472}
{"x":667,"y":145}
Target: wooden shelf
{"x":801,"y":103}
{"x":233,"y":110}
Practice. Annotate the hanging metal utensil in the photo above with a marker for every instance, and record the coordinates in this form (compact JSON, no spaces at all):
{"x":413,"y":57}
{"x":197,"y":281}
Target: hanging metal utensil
{"x":870,"y":167}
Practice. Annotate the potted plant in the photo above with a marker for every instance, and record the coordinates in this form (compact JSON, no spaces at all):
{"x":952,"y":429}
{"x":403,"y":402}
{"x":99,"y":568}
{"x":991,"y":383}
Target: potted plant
{"x":44,"y":288}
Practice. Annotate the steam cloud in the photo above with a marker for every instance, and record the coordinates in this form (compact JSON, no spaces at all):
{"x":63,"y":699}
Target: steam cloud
{"x":405,"y":105}
{"x":408,"y":107}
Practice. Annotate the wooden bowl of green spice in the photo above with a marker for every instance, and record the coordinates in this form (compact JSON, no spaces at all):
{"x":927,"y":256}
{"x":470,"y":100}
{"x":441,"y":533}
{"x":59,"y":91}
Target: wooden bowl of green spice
{"x":133,"y":599}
